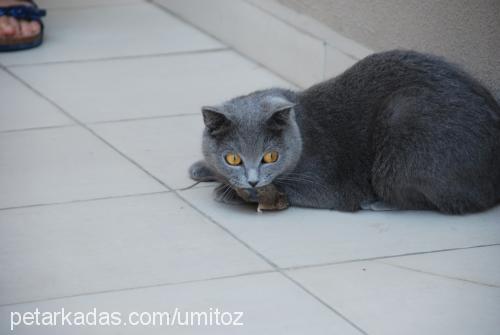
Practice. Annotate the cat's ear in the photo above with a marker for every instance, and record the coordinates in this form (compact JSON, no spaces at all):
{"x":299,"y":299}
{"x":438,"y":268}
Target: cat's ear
{"x":215,"y":121}
{"x":281,"y":116}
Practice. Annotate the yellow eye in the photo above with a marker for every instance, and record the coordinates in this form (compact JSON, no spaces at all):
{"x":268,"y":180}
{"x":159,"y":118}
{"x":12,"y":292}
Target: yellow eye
{"x":233,"y":159}
{"x":270,"y":157}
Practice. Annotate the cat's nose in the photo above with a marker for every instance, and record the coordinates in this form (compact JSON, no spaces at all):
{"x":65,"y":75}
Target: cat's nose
{"x":252,"y":177}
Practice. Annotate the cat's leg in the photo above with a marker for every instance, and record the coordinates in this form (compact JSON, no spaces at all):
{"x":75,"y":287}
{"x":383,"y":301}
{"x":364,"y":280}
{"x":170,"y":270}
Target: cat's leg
{"x":426,"y":160}
{"x":458,"y":197}
{"x":200,"y":171}
{"x":341,"y":198}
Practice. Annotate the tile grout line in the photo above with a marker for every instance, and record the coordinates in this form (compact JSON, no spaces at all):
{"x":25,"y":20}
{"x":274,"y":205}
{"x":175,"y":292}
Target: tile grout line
{"x":153,"y":117}
{"x":438,"y":275}
{"x":378,"y":258}
{"x":157,"y":117}
{"x":121,"y":58}
{"x":36,"y":92}
{"x":120,"y":196}
{"x":77,"y":201}
{"x":322,"y":302}
{"x":20,"y":130}
{"x":126,"y":289}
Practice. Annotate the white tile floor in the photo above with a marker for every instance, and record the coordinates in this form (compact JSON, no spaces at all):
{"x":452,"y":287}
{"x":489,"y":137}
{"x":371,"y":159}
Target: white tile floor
{"x":97,"y":129}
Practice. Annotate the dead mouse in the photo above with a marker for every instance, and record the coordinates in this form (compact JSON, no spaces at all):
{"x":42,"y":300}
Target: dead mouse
{"x":268,"y":197}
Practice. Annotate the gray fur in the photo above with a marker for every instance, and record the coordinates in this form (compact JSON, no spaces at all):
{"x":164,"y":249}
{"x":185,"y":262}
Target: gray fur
{"x":403,"y":128}
{"x":240,"y":129}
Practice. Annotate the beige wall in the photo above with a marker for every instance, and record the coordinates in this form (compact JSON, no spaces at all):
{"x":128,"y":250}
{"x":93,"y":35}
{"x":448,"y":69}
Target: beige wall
{"x":465,"y":31}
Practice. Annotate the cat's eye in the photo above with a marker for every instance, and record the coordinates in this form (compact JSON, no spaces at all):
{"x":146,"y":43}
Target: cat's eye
{"x":233,"y":159}
{"x":270,"y":157}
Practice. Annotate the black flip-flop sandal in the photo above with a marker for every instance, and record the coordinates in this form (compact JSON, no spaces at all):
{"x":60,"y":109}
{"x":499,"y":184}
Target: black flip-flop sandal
{"x":27,"y":13}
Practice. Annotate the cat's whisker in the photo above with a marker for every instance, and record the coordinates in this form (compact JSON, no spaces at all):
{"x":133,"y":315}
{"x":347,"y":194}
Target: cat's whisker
{"x":225,"y":194}
{"x":301,"y":180}
{"x":299,"y":175}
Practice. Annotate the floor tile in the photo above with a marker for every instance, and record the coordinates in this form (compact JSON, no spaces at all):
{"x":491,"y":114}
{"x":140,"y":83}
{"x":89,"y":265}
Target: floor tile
{"x":22,"y":108}
{"x":110,"y":31}
{"x":165,"y":147}
{"x":270,"y":304}
{"x":145,"y":87}
{"x":480,"y":265}
{"x":55,"y":251}
{"x":385,"y":300}
{"x":64,"y":164}
{"x":50,"y":4}
{"x":258,"y":34}
{"x":309,"y":236}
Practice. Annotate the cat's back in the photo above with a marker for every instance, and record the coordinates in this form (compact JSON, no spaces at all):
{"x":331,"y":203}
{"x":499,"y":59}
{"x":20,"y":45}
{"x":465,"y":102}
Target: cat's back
{"x":400,"y":67}
{"x":368,"y":84}
{"x":384,"y":72}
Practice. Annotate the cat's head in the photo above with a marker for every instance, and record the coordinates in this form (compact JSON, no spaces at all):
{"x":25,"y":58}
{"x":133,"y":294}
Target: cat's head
{"x":250,"y":140}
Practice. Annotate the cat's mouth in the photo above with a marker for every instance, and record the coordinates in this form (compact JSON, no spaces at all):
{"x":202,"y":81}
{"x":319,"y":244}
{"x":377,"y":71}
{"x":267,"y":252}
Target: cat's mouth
{"x":248,"y":194}
{"x":256,"y":188}
{"x":246,"y":187}
{"x":252,"y":192}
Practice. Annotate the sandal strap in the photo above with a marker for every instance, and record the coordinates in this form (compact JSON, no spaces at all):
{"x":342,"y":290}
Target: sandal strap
{"x":23,"y":12}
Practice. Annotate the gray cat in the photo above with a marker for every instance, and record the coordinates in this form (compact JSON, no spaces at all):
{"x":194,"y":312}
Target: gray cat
{"x":399,"y":129}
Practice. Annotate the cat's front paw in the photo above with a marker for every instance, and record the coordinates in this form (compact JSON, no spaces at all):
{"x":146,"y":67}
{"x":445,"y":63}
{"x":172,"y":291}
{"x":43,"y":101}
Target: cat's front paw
{"x":200,"y":171}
